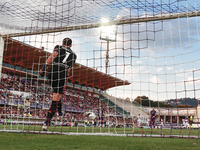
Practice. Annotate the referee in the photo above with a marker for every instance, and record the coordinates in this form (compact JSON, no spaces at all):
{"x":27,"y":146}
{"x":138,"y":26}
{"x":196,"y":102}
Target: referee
{"x":59,"y":62}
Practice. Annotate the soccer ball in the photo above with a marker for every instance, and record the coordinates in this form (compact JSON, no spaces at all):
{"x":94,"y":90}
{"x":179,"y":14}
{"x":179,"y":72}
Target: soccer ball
{"x":44,"y":128}
{"x":92,"y":116}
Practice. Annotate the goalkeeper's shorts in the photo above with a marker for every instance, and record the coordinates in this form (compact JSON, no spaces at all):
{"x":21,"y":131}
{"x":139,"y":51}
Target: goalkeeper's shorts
{"x":57,"y":80}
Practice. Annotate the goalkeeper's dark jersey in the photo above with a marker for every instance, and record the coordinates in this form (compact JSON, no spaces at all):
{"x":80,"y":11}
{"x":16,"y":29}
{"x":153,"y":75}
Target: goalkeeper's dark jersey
{"x":65,"y":58}
{"x":58,"y":72}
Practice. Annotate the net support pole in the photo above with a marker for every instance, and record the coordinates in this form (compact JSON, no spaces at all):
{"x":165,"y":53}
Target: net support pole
{"x":1,"y":54}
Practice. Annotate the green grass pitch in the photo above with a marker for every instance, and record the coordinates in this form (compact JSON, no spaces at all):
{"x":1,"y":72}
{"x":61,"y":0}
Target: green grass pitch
{"x":23,"y":141}
{"x":27,"y":141}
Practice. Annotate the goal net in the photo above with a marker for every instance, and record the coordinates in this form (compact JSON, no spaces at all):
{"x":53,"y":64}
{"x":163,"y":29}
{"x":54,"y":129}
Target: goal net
{"x":137,"y":69}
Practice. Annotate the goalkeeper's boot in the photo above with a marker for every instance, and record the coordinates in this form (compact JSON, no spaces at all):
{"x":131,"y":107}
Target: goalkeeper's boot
{"x":45,"y":125}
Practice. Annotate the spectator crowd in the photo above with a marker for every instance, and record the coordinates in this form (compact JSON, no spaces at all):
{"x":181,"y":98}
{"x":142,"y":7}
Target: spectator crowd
{"x":20,"y":97}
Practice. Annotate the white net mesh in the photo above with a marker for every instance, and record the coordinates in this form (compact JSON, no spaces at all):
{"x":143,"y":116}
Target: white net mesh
{"x":146,"y":55}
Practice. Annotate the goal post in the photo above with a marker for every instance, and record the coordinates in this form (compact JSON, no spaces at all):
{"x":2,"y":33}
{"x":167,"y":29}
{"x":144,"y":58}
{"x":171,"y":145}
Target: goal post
{"x":1,"y":53}
{"x":117,"y":22}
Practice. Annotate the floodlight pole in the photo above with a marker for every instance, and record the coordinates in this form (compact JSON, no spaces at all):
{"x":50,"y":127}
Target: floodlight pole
{"x":107,"y":57}
{"x":107,"y":35}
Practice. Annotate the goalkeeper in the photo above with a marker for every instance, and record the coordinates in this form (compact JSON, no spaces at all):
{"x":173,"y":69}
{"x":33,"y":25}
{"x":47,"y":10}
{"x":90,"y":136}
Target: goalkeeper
{"x":59,"y":62}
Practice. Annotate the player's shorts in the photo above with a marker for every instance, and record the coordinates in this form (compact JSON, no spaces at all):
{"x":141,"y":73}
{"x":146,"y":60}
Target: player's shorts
{"x":57,"y":79}
{"x":190,"y":122}
{"x":153,"y":119}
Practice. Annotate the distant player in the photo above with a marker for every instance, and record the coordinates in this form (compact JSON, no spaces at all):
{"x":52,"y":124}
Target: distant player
{"x":139,"y":120}
{"x":59,"y":61}
{"x":148,"y":122}
{"x":190,"y":120}
{"x":153,"y":118}
{"x":186,"y":123}
{"x":162,"y":123}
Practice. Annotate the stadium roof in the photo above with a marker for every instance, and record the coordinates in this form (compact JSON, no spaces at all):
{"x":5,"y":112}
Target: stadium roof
{"x":23,"y":55}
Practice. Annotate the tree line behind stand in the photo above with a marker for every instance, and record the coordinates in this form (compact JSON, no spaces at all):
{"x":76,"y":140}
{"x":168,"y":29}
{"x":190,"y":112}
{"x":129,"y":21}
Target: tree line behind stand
{"x":144,"y":101}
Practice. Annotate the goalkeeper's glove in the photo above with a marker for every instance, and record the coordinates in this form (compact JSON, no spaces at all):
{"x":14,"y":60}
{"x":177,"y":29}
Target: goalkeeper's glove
{"x":43,"y":70}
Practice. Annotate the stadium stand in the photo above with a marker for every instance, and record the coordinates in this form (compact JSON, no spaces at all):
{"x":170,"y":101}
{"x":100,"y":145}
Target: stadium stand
{"x":22,"y":87}
{"x":20,"y":99}
{"x":129,"y":107}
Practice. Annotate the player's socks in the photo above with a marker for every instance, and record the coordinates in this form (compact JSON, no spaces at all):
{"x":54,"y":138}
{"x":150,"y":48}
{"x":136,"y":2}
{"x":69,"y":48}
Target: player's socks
{"x":60,"y":111}
{"x":51,"y":112}
{"x":60,"y":108}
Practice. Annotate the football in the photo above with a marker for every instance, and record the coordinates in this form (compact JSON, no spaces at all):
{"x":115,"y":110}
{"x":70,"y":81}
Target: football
{"x":92,"y":116}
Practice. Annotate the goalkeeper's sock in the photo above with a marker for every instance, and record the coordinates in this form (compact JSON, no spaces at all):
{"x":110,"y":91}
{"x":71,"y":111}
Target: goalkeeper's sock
{"x":60,"y":108}
{"x":51,"y":112}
